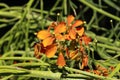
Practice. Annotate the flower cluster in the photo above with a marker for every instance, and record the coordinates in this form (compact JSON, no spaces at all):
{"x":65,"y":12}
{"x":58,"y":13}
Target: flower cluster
{"x":100,"y":70}
{"x":64,"y":39}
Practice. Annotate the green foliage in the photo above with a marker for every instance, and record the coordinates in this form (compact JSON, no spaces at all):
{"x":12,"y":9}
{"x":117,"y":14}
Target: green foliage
{"x":17,"y":61}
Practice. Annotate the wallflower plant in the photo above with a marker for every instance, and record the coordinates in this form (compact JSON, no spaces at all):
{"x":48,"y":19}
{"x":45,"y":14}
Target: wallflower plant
{"x":65,"y":40}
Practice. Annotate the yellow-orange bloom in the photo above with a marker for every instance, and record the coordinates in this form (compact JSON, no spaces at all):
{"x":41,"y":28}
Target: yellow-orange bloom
{"x":60,"y":28}
{"x":61,"y":61}
{"x":43,"y":34}
{"x":51,"y":50}
{"x":75,"y":27}
{"x":48,"y":41}
{"x":70,"y":19}
{"x":86,"y":39}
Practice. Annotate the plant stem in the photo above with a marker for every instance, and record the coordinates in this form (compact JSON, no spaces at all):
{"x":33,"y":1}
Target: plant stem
{"x":7,"y":77}
{"x":45,"y":74}
{"x":30,"y":73}
{"x":88,"y":74}
{"x":108,"y":46}
{"x":100,"y":10}
{"x":53,"y":8}
{"x":115,"y":70}
{"x":92,"y":19}
{"x":112,"y":4}
{"x":15,"y":52}
{"x":20,"y":58}
{"x":29,"y":64}
{"x":77,"y":76}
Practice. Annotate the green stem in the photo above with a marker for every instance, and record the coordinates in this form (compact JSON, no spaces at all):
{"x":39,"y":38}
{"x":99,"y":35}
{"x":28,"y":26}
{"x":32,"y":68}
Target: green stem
{"x":115,"y":70}
{"x":27,"y":11}
{"x":30,"y":73}
{"x":88,"y":74}
{"x":20,"y":58}
{"x":92,"y":19}
{"x":29,"y":64}
{"x":15,"y":52}
{"x":112,"y":51}
{"x":112,"y":4}
{"x":26,"y":35}
{"x":4,"y":5}
{"x":45,"y":74}
{"x":108,"y":46}
{"x":79,"y":76}
{"x":10,"y":15}
{"x":65,"y":6}
{"x":14,"y":11}
{"x":8,"y":21}
{"x":100,"y":10}
{"x":53,"y":8}
{"x":107,"y":43}
{"x":41,"y":8}
{"x":7,"y":77}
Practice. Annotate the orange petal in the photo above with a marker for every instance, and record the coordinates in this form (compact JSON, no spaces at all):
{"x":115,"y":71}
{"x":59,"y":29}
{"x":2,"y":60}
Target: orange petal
{"x":48,"y":41}
{"x":72,"y":34}
{"x":43,"y":34}
{"x":80,"y":31}
{"x":59,"y":37}
{"x":77,"y":23}
{"x":51,"y":50}
{"x":84,"y":61}
{"x":70,"y":19}
{"x":86,"y":39}
{"x":60,"y":28}
{"x":67,"y":52}
{"x":61,"y":61}
{"x":73,"y":54}
{"x":37,"y":48}
{"x":67,"y":37}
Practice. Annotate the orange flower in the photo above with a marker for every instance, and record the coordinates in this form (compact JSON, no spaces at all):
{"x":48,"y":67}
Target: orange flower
{"x":43,"y":34}
{"x":80,"y":31}
{"x":70,"y":19}
{"x":37,"y":50}
{"x":97,"y":72}
{"x":48,"y":41}
{"x":60,"y":28}
{"x":59,"y":37}
{"x":77,"y":23}
{"x":47,"y":45}
{"x":46,"y":36}
{"x":66,"y":37}
{"x":84,"y":62}
{"x":75,"y":27}
{"x":72,"y":54}
{"x":51,"y":50}
{"x":86,"y":39}
{"x":72,"y":34}
{"x":61,"y":61}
